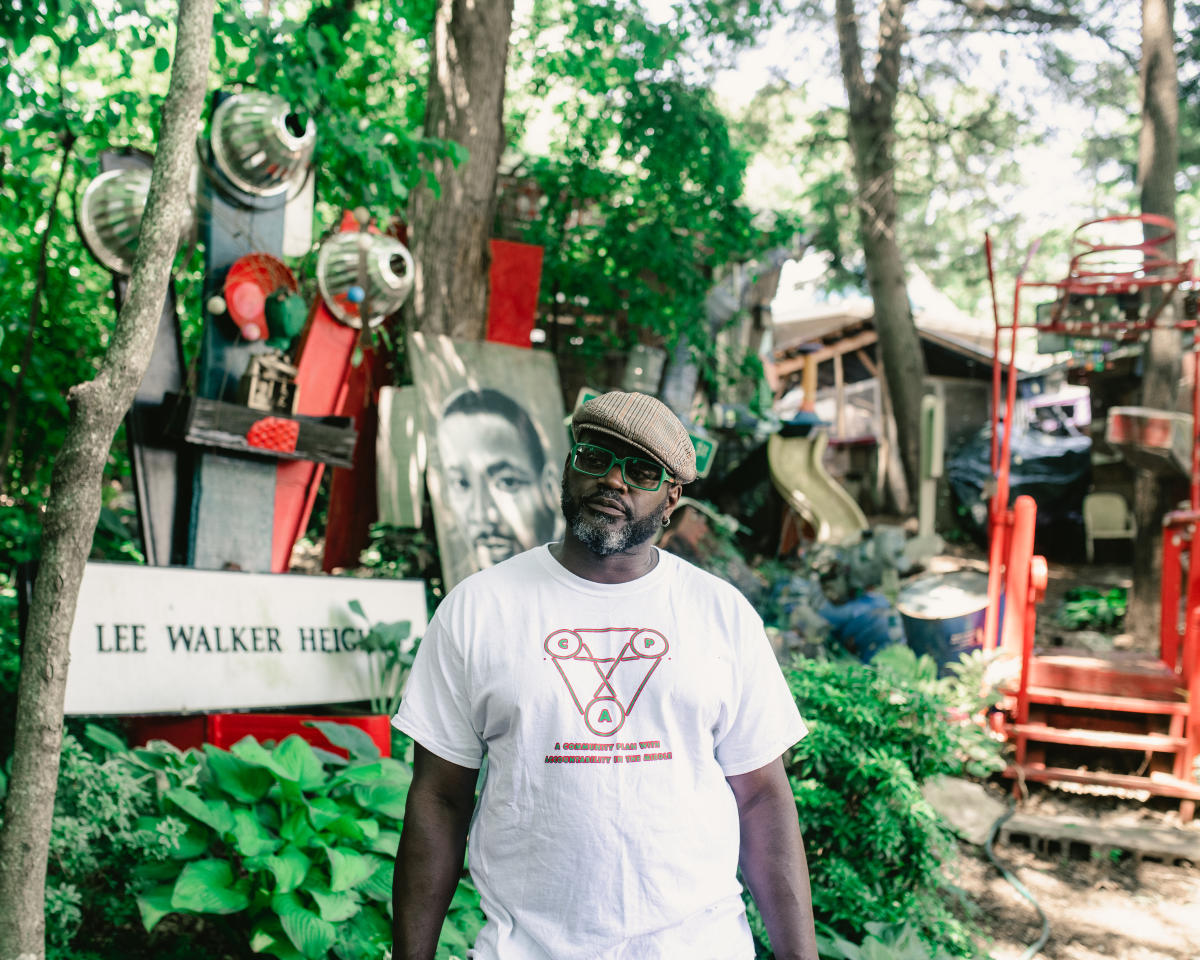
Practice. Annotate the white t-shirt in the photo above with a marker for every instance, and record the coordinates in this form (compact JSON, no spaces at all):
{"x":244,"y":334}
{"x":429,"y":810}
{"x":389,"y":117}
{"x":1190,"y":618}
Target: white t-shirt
{"x":611,"y":715}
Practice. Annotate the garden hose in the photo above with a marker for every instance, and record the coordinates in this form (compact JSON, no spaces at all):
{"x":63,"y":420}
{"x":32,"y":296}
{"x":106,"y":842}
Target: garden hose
{"x":1008,"y":875}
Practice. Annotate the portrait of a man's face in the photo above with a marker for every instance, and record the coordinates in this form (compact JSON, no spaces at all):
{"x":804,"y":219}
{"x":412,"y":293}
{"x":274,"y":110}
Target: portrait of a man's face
{"x":499,"y":484}
{"x":493,"y":421}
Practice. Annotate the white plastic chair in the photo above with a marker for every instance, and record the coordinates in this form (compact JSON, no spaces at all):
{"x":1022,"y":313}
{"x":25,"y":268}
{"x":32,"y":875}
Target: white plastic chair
{"x":1106,"y":516}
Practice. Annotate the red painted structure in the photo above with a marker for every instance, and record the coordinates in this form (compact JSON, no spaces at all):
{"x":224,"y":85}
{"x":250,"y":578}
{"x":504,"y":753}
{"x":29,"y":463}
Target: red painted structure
{"x":1151,"y":706}
{"x":225,"y":729}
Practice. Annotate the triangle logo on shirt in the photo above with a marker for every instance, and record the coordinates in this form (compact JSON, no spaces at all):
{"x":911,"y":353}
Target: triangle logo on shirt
{"x":605,"y":670}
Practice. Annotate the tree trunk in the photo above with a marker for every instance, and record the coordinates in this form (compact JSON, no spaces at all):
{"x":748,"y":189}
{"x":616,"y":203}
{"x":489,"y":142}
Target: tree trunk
{"x":1158,"y":159}
{"x":450,"y":226}
{"x":35,"y":307}
{"x":872,"y":134}
{"x":97,"y":408}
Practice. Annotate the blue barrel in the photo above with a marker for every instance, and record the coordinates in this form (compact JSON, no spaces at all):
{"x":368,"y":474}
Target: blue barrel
{"x":943,"y":614}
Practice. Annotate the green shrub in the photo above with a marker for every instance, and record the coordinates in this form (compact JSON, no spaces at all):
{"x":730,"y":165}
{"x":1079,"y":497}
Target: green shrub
{"x":1085,"y":608}
{"x":876,"y":848}
{"x":292,"y":845}
{"x":95,"y":840}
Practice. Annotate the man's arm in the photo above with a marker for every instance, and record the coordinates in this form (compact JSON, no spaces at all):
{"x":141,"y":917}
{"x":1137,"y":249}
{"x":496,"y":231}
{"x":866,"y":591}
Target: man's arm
{"x":772,"y":859}
{"x":437,"y":813}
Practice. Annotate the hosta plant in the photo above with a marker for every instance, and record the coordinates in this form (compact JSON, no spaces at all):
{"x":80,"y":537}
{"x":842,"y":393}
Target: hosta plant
{"x":292,"y":844}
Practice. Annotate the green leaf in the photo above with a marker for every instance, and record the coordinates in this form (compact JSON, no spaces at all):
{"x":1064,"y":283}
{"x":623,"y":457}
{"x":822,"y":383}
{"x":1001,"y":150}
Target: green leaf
{"x":153,"y":905}
{"x":379,"y":885}
{"x":350,"y":738}
{"x":268,"y":937}
{"x":387,"y":843}
{"x":289,"y":868}
{"x":214,"y":813}
{"x":250,"y":837}
{"x":383,"y":798}
{"x":322,"y":811}
{"x":335,"y":907}
{"x":309,"y":932}
{"x":347,"y":869}
{"x":162,"y":60}
{"x":296,"y":757}
{"x":243,"y":781}
{"x":207,"y":886}
{"x":357,"y":608}
{"x":104,"y":738}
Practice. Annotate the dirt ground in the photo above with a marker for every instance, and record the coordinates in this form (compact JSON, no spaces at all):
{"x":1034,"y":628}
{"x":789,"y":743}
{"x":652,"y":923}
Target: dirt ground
{"x":1098,"y":906}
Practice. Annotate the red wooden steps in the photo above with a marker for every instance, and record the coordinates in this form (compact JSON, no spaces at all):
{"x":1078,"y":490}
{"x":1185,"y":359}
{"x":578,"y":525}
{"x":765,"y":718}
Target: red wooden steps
{"x":1121,"y":702}
{"x":1153,"y":742}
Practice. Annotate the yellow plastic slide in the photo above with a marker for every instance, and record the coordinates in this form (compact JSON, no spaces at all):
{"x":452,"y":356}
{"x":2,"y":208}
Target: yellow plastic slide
{"x":803,"y":481}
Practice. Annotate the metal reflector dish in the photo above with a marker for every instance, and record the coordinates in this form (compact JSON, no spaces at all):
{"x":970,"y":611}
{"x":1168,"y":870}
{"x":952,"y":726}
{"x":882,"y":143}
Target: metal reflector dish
{"x":364,"y":274}
{"x":260,"y":145}
{"x":110,"y":216}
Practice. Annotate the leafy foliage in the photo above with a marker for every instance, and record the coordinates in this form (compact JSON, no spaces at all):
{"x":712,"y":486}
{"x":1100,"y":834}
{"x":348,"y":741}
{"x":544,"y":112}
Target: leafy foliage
{"x":291,"y":844}
{"x":1085,"y":608}
{"x":876,"y":848}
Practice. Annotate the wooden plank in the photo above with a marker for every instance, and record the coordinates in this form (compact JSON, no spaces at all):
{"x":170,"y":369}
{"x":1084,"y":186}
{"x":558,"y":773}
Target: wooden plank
{"x":1159,"y":785}
{"x":1099,"y":701}
{"x":227,"y":426}
{"x":1167,"y":843}
{"x":791,"y":365}
{"x":1146,"y":680}
{"x":1107,"y":739}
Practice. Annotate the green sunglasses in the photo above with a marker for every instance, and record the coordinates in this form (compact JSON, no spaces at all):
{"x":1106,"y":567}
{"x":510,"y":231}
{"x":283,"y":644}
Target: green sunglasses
{"x":638,"y":472}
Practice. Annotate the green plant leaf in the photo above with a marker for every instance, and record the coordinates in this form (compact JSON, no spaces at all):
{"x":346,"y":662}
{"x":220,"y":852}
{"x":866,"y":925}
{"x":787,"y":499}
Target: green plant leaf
{"x":309,"y":932}
{"x":153,"y":905}
{"x":296,"y":827}
{"x":213,"y":813}
{"x":162,"y":60}
{"x":243,"y":781}
{"x":295,"y":755}
{"x":322,"y":811}
{"x":268,"y":937}
{"x":387,"y":843}
{"x":208,"y":886}
{"x":335,"y":907}
{"x":354,"y":740}
{"x":104,"y":738}
{"x":289,"y":867}
{"x":347,"y":869}
{"x":385,"y":798}
{"x":251,"y":838}
{"x":378,"y":886}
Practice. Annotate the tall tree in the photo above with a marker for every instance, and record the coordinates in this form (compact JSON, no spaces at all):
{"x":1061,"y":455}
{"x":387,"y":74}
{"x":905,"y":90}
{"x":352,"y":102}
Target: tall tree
{"x":450,"y":215}
{"x":1158,"y":162}
{"x":872,"y":128}
{"x":97,"y":408}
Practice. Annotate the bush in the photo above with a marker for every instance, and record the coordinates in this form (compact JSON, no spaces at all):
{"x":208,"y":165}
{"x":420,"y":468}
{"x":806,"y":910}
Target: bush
{"x":876,"y":848}
{"x":292,"y":845}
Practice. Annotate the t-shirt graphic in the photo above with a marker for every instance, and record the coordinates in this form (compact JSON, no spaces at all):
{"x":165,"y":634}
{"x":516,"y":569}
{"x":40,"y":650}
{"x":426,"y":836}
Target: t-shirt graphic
{"x":606,"y":688}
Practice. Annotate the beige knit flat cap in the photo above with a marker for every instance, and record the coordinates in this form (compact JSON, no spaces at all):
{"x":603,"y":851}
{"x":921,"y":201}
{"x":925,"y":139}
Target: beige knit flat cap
{"x":644,"y":422}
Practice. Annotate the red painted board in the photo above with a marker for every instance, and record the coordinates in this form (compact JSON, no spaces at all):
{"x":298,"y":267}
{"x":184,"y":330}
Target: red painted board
{"x":226,"y":729}
{"x":353,"y":505}
{"x":513,"y":282}
{"x":322,"y":372}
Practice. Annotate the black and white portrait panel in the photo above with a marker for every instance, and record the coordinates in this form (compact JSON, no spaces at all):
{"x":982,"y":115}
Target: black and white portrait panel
{"x":493,"y":421}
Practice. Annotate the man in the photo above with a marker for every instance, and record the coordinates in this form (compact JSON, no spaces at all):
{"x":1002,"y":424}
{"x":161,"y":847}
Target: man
{"x":499,"y":486}
{"x":633,"y":718}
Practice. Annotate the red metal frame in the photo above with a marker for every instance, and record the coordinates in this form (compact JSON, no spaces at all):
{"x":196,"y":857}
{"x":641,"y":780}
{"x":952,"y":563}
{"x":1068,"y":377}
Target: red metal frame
{"x":1096,"y":269}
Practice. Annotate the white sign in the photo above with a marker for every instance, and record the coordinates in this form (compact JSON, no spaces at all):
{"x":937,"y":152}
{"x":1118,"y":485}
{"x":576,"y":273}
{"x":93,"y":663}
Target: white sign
{"x":176,"y":640}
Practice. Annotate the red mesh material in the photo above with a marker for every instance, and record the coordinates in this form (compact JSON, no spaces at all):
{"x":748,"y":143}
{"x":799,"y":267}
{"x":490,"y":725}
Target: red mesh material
{"x":274,"y":433}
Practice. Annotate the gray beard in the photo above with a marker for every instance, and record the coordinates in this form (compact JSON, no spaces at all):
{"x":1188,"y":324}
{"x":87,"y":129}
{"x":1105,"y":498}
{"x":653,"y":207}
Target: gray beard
{"x":597,"y":533}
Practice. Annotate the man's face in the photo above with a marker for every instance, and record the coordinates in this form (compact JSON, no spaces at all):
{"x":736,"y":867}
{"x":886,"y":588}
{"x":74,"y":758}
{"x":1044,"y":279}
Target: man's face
{"x":500,"y":498}
{"x":607,"y":515}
